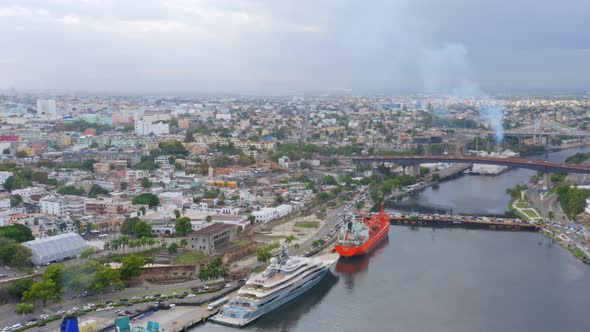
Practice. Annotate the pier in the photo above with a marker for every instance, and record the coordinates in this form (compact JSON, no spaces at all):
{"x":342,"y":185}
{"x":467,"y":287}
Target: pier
{"x":498,"y":224}
{"x":180,"y":318}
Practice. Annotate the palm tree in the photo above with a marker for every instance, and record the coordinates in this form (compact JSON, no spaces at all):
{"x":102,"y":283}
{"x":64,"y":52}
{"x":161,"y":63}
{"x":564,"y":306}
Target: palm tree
{"x":76,"y":222}
{"x":62,"y":226}
{"x":289,"y":239}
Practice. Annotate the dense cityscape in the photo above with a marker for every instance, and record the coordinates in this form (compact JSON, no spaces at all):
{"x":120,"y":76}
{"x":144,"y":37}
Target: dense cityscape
{"x":202,"y":191}
{"x":295,"y":166}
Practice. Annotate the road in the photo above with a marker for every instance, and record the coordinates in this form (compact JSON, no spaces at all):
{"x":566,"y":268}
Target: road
{"x":333,"y":216}
{"x":544,"y":205}
{"x":8,"y":317}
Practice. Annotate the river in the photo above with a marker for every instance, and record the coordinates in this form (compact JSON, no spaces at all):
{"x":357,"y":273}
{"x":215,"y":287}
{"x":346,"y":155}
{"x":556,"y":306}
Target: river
{"x":442,"y":280}
{"x":475,"y":194}
{"x":454,"y":280}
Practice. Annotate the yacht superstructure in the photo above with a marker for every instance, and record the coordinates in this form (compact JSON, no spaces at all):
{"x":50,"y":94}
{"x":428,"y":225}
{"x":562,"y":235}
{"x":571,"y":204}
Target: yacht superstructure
{"x":284,"y":279}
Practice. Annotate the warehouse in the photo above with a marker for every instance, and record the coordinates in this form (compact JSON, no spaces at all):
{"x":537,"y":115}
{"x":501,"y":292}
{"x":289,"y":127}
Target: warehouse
{"x":56,"y":248}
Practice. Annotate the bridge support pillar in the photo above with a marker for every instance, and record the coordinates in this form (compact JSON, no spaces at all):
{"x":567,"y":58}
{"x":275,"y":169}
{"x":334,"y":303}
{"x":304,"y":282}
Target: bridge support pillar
{"x":546,"y":181}
{"x":415,"y":170}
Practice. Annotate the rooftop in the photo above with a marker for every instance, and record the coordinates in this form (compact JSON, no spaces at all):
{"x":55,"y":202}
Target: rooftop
{"x":213,"y":229}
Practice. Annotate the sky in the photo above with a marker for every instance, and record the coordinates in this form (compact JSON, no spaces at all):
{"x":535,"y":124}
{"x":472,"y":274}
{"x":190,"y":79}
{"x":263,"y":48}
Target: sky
{"x":290,"y":47}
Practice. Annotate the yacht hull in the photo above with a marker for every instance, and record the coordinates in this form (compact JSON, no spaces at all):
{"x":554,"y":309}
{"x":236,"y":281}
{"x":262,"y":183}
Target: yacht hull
{"x":236,"y":322}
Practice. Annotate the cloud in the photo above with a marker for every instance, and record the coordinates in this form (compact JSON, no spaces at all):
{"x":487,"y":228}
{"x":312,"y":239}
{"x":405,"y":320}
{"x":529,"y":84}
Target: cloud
{"x":269,"y":46}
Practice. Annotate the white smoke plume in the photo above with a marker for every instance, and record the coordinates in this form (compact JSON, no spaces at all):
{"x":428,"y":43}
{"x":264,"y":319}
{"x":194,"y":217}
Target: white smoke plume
{"x":446,"y":71}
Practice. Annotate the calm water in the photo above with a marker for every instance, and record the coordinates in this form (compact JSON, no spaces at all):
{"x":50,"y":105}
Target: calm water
{"x":451,"y":280}
{"x":445,"y":280}
{"x":474,"y":194}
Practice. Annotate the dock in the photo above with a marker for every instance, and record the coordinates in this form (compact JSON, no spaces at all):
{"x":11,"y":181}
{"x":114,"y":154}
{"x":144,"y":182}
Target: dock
{"x":444,"y":174}
{"x":180,"y":318}
{"x":498,"y":224}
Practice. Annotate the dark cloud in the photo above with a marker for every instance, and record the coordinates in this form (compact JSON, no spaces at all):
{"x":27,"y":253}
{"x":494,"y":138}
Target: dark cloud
{"x":271,"y":46}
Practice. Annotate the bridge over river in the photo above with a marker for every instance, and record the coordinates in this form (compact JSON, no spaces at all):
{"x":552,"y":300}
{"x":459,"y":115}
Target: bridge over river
{"x":414,"y":162}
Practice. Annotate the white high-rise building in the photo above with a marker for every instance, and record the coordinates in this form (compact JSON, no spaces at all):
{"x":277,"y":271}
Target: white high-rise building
{"x":46,"y":107}
{"x":143,"y":127}
{"x":53,"y":205}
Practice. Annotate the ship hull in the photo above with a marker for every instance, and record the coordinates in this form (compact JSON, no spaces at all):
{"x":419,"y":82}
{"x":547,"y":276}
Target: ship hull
{"x":281,"y":300}
{"x":346,"y":251}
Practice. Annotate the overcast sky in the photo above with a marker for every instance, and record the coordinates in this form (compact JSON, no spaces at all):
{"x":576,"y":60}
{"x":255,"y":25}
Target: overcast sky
{"x":275,"y":46}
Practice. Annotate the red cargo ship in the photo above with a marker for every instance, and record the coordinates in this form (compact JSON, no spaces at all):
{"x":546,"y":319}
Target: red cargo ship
{"x":358,"y":237}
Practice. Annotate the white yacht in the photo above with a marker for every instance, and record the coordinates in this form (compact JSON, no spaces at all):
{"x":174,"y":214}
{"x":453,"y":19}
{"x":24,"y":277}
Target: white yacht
{"x":284,"y":279}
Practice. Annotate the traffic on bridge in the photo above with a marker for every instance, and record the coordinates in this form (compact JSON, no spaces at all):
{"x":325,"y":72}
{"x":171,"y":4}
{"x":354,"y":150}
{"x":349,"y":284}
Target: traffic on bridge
{"x":536,"y":165}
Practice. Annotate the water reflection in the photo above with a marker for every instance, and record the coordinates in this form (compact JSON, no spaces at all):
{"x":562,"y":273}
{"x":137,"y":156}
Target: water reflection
{"x":350,"y":268}
{"x":287,"y":316}
{"x":472,"y":194}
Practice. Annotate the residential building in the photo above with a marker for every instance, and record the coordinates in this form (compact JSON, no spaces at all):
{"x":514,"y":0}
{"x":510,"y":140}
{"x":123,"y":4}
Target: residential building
{"x":53,"y":205}
{"x":106,"y":205}
{"x":212,"y":237}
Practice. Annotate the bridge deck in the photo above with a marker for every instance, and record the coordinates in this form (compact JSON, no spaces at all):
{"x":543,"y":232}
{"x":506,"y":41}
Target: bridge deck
{"x":536,"y":165}
{"x":465,"y":222}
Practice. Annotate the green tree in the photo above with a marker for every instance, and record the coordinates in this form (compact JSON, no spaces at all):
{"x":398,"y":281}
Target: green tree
{"x":16,"y":182}
{"x":436,"y":177}
{"x":20,"y":287}
{"x":173,"y":248}
{"x":263,"y":255}
{"x":71,"y":190}
{"x":96,"y":190}
{"x":25,"y":308}
{"x":289,"y":239}
{"x":131,"y":266}
{"x":214,"y":270}
{"x":40,"y":176}
{"x":329,"y":180}
{"x":13,"y":253}
{"x":146,"y":183}
{"x":55,"y":273}
{"x":15,"y":200}
{"x":183,"y":226}
{"x":176,"y":213}
{"x":142,"y":229}
{"x":251,"y":219}
{"x":42,"y":290}
{"x":183,"y":243}
{"x":17,"y":232}
{"x":211,"y":193}
{"x":89,"y":227}
{"x":359,"y":205}
{"x":147,"y":199}
{"x":173,"y":148}
{"x":128,"y":225}
{"x":87,"y":253}
{"x":21,"y":154}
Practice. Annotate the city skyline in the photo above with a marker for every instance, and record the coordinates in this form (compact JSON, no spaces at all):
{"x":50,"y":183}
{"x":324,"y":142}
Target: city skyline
{"x":267,"y":48}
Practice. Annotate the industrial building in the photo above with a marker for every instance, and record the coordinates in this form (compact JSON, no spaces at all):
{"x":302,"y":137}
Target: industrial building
{"x":56,"y":248}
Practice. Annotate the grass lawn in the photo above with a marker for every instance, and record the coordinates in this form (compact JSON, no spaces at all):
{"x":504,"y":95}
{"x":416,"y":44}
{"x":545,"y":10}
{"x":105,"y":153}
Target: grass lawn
{"x":531,"y":214}
{"x":521,"y":204}
{"x":190,"y":257}
{"x":307,"y":224}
